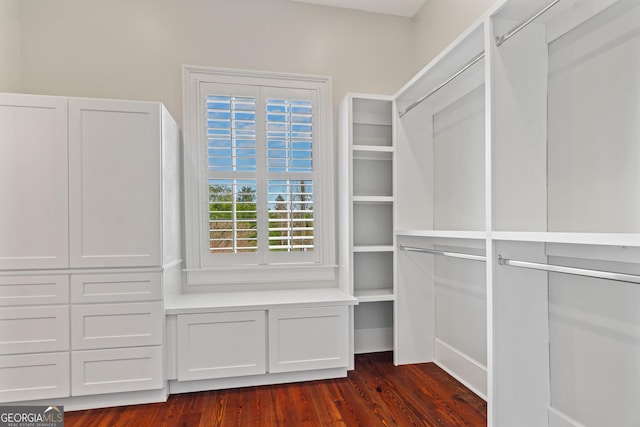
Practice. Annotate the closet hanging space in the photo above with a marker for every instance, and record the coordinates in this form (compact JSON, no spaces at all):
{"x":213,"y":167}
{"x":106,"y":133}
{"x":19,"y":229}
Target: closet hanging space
{"x":441,"y":312}
{"x":565,"y":213}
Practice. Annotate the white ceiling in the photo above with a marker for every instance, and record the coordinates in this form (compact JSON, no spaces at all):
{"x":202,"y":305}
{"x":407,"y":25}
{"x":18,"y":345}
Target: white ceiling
{"x":406,"y":8}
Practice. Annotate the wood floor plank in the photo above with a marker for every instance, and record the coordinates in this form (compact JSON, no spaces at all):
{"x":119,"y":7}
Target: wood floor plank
{"x":376,"y":393}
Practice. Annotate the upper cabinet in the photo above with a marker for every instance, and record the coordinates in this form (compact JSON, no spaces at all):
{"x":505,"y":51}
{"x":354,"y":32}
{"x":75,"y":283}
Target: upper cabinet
{"x":33,"y":182}
{"x":87,"y":183}
{"x":114,"y":183}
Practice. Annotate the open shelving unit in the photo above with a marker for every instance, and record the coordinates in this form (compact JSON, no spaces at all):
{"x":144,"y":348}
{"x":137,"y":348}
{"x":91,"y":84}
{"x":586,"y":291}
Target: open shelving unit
{"x":367,"y":244}
{"x":520,"y":143}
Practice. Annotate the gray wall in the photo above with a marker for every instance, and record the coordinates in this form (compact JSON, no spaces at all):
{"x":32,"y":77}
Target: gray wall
{"x":134,"y":49}
{"x":10,"y":71}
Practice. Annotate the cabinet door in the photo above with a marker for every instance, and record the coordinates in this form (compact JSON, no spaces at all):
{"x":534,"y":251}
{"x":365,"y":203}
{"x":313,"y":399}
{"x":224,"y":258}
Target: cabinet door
{"x":308,"y":338}
{"x":33,"y":182}
{"x":115,"y":206}
{"x":34,"y":329}
{"x":116,"y":325}
{"x":116,"y":287}
{"x":34,"y":290}
{"x":116,"y":370}
{"x":34,"y":376}
{"x":218,"y":345}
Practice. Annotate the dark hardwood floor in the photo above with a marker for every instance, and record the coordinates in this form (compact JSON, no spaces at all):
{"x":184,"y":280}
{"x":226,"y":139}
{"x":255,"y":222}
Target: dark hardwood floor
{"x":376,"y":393}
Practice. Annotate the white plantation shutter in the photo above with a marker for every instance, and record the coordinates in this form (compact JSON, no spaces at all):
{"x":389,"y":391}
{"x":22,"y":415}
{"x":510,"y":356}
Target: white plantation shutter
{"x":261,"y":175}
{"x":291,"y":215}
{"x":289,"y":128}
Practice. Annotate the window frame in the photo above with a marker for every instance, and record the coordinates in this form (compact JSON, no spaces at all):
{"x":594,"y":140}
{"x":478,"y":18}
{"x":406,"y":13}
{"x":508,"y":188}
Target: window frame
{"x":199,"y":270}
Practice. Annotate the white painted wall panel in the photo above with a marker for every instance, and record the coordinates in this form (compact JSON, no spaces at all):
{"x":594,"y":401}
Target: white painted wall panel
{"x":594,"y":328}
{"x":458,"y":144}
{"x":594,"y":155}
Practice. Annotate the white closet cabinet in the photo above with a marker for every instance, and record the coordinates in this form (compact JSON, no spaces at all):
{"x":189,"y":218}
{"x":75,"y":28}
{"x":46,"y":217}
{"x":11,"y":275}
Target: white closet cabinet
{"x":33,"y":182}
{"x":366,"y":165}
{"x":208,"y":345}
{"x":517,"y":213}
{"x":90,"y":235}
{"x":115,"y":183}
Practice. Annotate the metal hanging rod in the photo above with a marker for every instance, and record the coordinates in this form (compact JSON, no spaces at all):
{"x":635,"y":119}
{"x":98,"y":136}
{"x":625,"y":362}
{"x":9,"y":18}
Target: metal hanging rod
{"x":610,"y":275}
{"x":461,"y":255}
{"x":464,"y":68}
{"x":503,"y":38}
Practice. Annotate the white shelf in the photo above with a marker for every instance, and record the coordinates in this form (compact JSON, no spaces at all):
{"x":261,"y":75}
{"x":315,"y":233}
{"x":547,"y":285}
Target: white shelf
{"x":608,"y":239}
{"x":367,"y":154}
{"x":372,"y":199}
{"x":373,"y":148}
{"x":374,"y":295}
{"x":449,"y":234}
{"x":374,"y":248}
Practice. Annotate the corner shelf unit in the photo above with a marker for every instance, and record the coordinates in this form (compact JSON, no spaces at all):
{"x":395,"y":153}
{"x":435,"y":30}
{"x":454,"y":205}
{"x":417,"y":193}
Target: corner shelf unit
{"x":520,"y":145}
{"x":367,"y":247}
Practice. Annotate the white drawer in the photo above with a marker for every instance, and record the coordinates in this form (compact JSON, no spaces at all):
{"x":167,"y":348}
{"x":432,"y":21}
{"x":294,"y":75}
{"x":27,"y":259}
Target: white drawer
{"x":308,"y":338}
{"x":129,"y":287}
{"x":34,"y":329}
{"x":116,"y":370}
{"x":33,"y":290}
{"x":218,"y":345}
{"x":96,"y":326}
{"x":34,"y":376}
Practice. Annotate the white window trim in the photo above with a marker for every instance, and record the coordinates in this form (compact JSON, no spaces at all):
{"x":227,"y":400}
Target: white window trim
{"x":279,"y":275}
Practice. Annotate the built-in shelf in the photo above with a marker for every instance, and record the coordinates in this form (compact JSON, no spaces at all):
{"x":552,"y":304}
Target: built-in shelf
{"x":375,"y":295}
{"x":372,"y":199}
{"x":617,"y":239}
{"x":373,"y":148}
{"x":373,"y":248}
{"x":449,"y":234}
{"x":367,"y":161}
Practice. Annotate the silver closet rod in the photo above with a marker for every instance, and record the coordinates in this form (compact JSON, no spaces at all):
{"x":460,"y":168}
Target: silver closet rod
{"x":610,"y":275}
{"x":461,"y":255}
{"x":503,"y":38}
{"x":464,"y":68}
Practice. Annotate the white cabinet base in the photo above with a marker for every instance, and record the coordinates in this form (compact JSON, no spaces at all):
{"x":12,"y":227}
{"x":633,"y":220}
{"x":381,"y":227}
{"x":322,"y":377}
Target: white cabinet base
{"x":116,"y":370}
{"x":34,"y":376}
{"x":215,"y":345}
{"x":80,"y":403}
{"x":308,"y":338}
{"x":255,"y":380}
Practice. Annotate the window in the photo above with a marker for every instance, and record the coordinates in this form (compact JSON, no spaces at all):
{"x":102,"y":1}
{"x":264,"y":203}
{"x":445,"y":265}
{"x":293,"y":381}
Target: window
{"x":258,"y":177}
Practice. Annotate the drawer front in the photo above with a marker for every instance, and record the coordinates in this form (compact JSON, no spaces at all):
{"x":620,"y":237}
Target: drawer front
{"x":218,"y":345}
{"x":308,"y":338}
{"x":96,"y":326}
{"x":34,"y":329}
{"x":33,"y":290}
{"x":34,"y":376}
{"x":116,"y":370}
{"x":94,"y":288}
